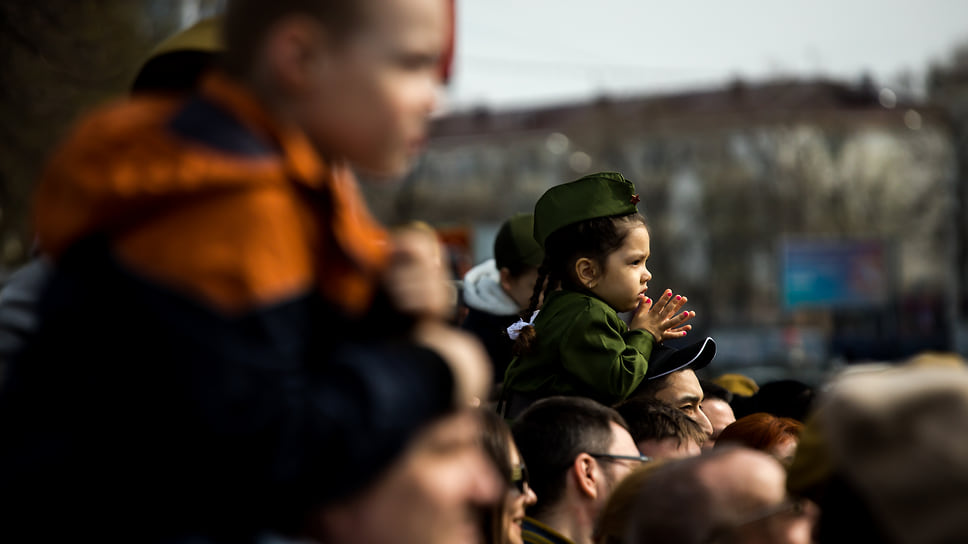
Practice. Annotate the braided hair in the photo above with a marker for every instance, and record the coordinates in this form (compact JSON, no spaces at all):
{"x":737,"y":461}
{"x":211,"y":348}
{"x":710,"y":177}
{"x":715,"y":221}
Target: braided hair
{"x":593,"y":239}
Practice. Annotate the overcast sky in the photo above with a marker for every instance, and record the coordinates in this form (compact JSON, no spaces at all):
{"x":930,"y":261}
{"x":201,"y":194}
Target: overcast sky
{"x":525,"y":52}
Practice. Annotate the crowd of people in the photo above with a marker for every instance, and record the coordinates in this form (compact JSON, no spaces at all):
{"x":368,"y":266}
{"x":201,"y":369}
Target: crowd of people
{"x":216,"y":342}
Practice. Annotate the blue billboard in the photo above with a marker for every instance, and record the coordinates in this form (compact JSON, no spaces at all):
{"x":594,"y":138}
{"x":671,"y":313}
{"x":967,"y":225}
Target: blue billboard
{"x":821,"y":273}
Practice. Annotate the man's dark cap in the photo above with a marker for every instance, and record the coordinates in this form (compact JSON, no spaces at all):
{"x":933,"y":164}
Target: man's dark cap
{"x":666,"y":359}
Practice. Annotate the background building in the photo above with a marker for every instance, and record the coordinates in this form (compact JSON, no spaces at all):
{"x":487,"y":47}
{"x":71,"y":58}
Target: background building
{"x":804,"y":220}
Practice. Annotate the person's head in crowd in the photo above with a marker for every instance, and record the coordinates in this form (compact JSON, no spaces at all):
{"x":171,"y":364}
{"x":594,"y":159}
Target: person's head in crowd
{"x":359,"y":78}
{"x":502,"y":523}
{"x":777,"y":436}
{"x":433,"y":493}
{"x":782,"y":398}
{"x":737,"y":384}
{"x":613,"y":520}
{"x":671,"y":378}
{"x":716,"y":406}
{"x":727,"y":495}
{"x":517,"y":257}
{"x":885,"y":456}
{"x":661,"y":431}
{"x":497,"y":290}
{"x":576,"y":451}
{"x":936,"y":359}
{"x":786,"y":398}
{"x":176,"y":64}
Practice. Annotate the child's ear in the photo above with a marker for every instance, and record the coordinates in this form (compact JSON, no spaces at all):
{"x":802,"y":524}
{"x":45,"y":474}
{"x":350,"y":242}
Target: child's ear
{"x":586,"y":270}
{"x":293,"y":48}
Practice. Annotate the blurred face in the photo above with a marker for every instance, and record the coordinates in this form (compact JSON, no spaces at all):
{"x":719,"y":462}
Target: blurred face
{"x":669,"y":448}
{"x":749,"y":490}
{"x":720,"y":414}
{"x":682,"y":390}
{"x":515,"y":502}
{"x":432,"y":495}
{"x":625,"y":276}
{"x":520,"y":288}
{"x":368,"y":97}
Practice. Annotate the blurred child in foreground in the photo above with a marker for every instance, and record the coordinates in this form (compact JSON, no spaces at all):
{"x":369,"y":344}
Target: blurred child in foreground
{"x":205,"y":351}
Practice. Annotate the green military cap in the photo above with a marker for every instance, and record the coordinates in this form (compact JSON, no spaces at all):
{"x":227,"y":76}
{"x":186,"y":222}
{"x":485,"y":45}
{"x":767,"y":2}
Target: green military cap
{"x":515,"y":243}
{"x":604,"y":194}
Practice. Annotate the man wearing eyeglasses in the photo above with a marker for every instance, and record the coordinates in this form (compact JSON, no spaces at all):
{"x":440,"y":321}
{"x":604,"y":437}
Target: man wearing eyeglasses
{"x":576,"y":451}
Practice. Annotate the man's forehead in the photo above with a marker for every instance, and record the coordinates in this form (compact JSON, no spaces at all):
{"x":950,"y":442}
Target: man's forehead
{"x":681,"y":385}
{"x":718,"y":407}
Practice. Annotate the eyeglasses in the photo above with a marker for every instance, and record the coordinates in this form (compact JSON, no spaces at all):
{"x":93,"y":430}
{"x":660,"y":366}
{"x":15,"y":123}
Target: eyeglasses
{"x":612,"y":457}
{"x":519,"y":478}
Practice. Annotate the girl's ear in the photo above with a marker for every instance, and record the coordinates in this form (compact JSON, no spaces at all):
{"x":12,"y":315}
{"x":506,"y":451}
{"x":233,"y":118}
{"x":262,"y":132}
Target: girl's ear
{"x":586,"y":270}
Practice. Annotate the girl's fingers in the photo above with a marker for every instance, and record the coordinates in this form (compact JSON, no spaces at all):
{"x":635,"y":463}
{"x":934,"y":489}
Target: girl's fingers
{"x":679,"y":331}
{"x":662,"y":304}
{"x":645,"y":305}
{"x":675,"y":303}
{"x":679,"y":319}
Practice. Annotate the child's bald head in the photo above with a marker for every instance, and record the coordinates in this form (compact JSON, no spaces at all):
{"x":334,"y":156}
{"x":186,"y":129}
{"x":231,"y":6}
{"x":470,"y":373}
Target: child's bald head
{"x":358,"y":77}
{"x":248,"y":21}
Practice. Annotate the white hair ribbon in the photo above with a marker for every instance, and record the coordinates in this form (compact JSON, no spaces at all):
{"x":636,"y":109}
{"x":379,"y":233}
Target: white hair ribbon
{"x":515,"y":329}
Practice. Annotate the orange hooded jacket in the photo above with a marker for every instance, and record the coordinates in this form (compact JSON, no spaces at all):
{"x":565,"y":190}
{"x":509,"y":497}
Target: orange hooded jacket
{"x":213,"y":199}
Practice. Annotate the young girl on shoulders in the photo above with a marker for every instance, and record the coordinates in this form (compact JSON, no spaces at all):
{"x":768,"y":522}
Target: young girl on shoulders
{"x":596,"y":247}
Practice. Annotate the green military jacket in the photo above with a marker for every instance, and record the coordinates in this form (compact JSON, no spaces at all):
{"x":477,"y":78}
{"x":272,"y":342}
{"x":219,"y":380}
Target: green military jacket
{"x":582,"y":348}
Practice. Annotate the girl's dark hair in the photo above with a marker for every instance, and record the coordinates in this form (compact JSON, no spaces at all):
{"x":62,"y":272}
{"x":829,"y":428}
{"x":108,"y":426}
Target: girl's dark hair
{"x":593,"y":239}
{"x":497,"y":441}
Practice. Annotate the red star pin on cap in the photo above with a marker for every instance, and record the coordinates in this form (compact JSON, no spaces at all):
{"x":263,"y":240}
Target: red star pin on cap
{"x":635,"y":199}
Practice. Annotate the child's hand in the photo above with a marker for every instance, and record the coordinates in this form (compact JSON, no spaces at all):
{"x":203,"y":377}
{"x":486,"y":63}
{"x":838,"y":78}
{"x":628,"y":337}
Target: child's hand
{"x":662,"y":317}
{"x":417,"y":280}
